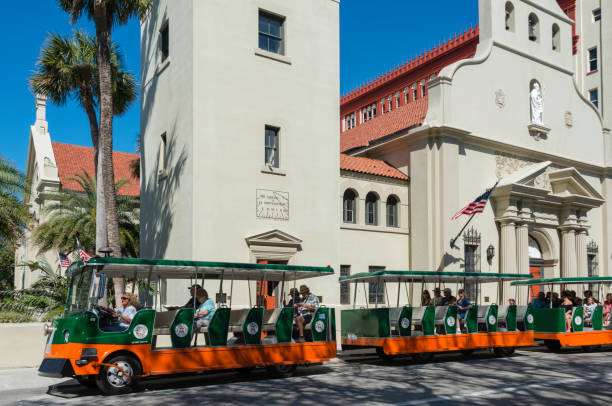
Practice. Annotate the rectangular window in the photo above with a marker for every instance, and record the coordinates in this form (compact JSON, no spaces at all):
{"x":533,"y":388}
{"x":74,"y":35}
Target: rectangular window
{"x":376,"y":291}
{"x":164,"y":42}
{"x":374,"y":110}
{"x":406,"y":95}
{"x":593,"y":59}
{"x":163,"y":145}
{"x":271,"y":33}
{"x":414,"y":92}
{"x":353,"y":120}
{"x":271,"y":146}
{"x":397,"y":99}
{"x":390,"y":101}
{"x":594,"y":97}
{"x":596,"y":14}
{"x":345,"y":287}
{"x":382,"y":106}
{"x":423,"y":88}
{"x":369,"y":113}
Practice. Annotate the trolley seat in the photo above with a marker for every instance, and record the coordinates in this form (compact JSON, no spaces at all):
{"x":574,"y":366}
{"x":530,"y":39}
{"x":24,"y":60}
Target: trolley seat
{"x":440,"y":315}
{"x":394,"y":315}
{"x":163,"y":321}
{"x":270,"y":318}
{"x":417,"y":315}
{"x":237,"y":319}
{"x":521,"y":311}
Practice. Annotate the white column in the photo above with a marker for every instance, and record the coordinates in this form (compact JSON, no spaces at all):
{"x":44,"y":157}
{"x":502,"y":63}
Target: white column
{"x":568,"y":253}
{"x":581,"y":253}
{"x":522,"y":257}
{"x":507,"y":259}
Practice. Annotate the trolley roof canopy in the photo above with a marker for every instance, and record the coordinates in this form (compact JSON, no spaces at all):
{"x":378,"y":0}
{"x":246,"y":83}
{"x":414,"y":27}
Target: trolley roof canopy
{"x":433,"y":276}
{"x":171,"y":269}
{"x":560,"y":281}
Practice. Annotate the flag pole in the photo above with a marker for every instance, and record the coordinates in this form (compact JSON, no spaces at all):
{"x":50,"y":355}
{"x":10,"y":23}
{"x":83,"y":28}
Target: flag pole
{"x":452,"y":241}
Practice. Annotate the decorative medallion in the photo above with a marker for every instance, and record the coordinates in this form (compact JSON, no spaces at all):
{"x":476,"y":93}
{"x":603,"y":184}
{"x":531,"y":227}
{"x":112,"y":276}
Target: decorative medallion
{"x":569,"y":119}
{"x":252,"y":328}
{"x":492,"y":319}
{"x":450,"y":321}
{"x":140,"y":331}
{"x":578,"y":320}
{"x":319,"y":326}
{"x":500,"y":99}
{"x":181,"y":330}
{"x":530,"y":318}
{"x":405,"y":323}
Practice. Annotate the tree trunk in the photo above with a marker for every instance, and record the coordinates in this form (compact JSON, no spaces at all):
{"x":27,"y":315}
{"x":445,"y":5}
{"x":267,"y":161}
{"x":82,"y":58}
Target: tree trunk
{"x":103,"y":32}
{"x":101,"y":229}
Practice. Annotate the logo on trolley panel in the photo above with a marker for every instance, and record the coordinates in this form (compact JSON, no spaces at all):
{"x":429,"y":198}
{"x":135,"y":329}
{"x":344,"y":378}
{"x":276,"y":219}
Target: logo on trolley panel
{"x":319,"y":326}
{"x":181,"y":330}
{"x":491,"y":319}
{"x":405,"y":322}
{"x":140,"y":331}
{"x":450,"y":321}
{"x":578,"y":320}
{"x":530,"y":318}
{"x":252,"y":328}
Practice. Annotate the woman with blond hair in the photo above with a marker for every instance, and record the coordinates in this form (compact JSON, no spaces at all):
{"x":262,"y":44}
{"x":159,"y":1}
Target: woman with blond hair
{"x":124,"y":313}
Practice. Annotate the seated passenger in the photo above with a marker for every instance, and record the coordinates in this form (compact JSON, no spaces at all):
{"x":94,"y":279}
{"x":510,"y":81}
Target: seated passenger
{"x":306,"y":309}
{"x":589,"y":307}
{"x":540,"y":302}
{"x":463,"y":304}
{"x":426,"y":299}
{"x":511,"y":302}
{"x":205,"y":310}
{"x":607,"y":309}
{"x":448,"y":298}
{"x":190,"y":303}
{"x":124,"y":314}
{"x":568,"y":306}
{"x":585,"y":295}
{"x":437,"y":299}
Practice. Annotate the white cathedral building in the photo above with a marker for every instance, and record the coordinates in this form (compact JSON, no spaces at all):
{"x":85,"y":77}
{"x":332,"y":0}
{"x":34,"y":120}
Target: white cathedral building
{"x":248,"y":155}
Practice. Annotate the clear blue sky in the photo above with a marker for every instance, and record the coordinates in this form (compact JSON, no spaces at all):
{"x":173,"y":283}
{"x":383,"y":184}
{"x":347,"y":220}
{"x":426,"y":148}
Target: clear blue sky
{"x":374,"y":37}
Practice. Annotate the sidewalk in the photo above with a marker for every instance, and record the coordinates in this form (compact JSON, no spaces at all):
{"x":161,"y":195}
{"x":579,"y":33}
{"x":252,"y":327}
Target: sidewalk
{"x":25,"y":378}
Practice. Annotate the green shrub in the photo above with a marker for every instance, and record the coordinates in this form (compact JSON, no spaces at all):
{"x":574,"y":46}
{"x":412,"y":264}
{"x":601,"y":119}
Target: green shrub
{"x":53,"y":314}
{"x":14,"y":317}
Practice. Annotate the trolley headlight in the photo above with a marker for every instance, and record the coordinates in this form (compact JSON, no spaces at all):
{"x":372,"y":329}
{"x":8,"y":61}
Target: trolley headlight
{"x":66,"y":336}
{"x":48,"y":329}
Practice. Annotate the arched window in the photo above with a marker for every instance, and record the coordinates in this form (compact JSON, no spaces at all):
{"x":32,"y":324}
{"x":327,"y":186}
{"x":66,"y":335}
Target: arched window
{"x":556,"y":41}
{"x":371,"y":209}
{"x":392,"y":220}
{"x":349,"y":206}
{"x":509,"y":17}
{"x":534,"y":28}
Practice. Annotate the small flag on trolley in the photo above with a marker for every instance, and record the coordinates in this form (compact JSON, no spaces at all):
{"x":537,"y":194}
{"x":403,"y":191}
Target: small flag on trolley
{"x":85,"y":256}
{"x":64,"y":260}
{"x":477,"y":206}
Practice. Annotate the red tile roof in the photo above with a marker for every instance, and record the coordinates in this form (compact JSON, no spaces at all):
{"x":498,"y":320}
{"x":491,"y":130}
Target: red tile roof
{"x":408,"y":115}
{"x":71,"y":160}
{"x":370,"y":166}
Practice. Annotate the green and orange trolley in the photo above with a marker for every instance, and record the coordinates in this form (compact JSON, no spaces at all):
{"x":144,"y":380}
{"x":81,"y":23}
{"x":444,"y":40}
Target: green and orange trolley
{"x":550,"y":323}
{"x":161,"y":342}
{"x":422,"y":331}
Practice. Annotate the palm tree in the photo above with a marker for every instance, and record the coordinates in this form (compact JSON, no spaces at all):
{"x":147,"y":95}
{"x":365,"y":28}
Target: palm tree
{"x":13,"y":213}
{"x":71,"y":213}
{"x":107,"y":14}
{"x":68,"y":69}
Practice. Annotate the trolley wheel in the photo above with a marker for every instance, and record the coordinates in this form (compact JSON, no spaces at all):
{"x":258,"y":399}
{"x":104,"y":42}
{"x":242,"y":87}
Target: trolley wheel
{"x":553,"y":345}
{"x":503,"y":351}
{"x":382,"y":355}
{"x":467,"y":353}
{"x":283,"y":370}
{"x":423,"y":356}
{"x":112,"y":381}
{"x":86,"y":380}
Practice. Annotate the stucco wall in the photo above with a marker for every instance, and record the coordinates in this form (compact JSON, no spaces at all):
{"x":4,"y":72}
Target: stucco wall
{"x":21,"y":344}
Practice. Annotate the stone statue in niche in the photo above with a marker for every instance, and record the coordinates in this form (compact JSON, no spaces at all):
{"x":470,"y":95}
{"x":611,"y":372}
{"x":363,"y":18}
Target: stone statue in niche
{"x":537,"y":104}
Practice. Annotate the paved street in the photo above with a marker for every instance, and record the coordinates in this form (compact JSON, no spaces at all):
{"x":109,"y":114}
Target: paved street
{"x":534,"y":376}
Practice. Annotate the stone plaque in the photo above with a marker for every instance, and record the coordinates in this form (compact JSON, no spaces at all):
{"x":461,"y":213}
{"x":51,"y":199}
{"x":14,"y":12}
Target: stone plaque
{"x":271,"y":204}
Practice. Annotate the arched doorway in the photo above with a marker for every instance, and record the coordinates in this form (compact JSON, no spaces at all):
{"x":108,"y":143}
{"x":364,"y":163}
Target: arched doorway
{"x":536,"y":262}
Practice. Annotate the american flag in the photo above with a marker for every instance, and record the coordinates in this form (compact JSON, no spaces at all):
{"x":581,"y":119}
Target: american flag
{"x":85,"y":256}
{"x":477,"y":206}
{"x":64,"y":260}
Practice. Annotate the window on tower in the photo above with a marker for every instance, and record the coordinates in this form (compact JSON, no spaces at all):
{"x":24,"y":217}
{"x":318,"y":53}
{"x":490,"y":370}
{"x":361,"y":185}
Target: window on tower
{"x":271,"y":32}
{"x":509,"y":17}
{"x":423,"y":88}
{"x":164,"y":42}
{"x":392,"y":220}
{"x":349,"y":206}
{"x":555,"y":38}
{"x":596,"y":15}
{"x":593,"y":59}
{"x":271,"y":146}
{"x":534,"y":27}
{"x":414,"y":92}
{"x":371,"y":209}
{"x":594,"y":97}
